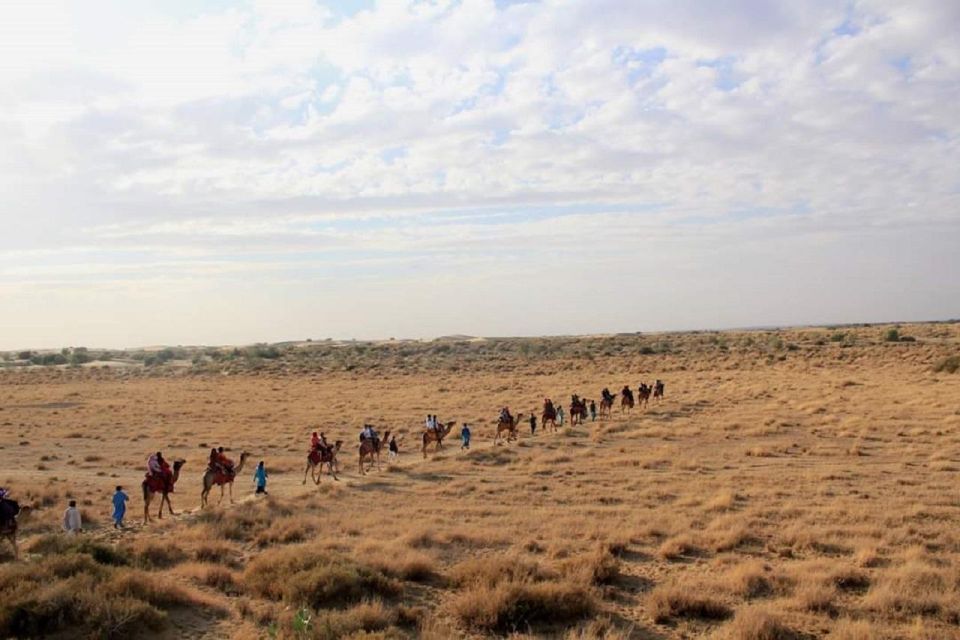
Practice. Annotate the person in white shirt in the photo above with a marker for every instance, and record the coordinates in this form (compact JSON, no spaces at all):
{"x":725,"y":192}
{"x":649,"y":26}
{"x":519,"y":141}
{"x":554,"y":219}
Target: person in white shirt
{"x":71,"y":519}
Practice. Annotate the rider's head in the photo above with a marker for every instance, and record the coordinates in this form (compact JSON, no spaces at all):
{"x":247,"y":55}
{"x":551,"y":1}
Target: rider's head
{"x":159,"y":456}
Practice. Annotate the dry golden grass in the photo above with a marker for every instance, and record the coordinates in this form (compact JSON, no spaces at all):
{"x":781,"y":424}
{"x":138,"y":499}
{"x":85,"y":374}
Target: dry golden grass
{"x":777,"y":492}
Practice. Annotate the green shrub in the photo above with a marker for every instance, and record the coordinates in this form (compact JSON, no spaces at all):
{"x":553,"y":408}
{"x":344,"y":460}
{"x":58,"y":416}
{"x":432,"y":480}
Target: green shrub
{"x":892,"y":335}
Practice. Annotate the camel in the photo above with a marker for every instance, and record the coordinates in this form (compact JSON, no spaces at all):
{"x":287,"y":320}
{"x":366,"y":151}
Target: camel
{"x":578,"y":411}
{"x":549,"y":415}
{"x":436,"y":435}
{"x":319,"y":457}
{"x":371,"y":448}
{"x":643,"y":395}
{"x":211,"y":478}
{"x":152,"y":485}
{"x":658,"y":390}
{"x":606,"y":405}
{"x":626,"y":400}
{"x":509,"y":427}
{"x":9,"y":510}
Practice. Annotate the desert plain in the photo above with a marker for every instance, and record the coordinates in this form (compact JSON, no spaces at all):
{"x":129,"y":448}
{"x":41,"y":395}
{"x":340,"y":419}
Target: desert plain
{"x":793,"y":483}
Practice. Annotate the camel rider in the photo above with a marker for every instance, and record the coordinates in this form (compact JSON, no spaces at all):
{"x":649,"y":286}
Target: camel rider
{"x":368,"y":433}
{"x":214,"y":463}
{"x":158,"y":468}
{"x":225,"y":462}
{"x":505,"y":415}
{"x":322,"y":444}
{"x":314,"y":441}
{"x":606,"y":394}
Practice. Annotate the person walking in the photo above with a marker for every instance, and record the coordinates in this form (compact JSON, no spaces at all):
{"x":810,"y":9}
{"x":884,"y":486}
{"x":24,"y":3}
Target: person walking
{"x":593,"y":411}
{"x":560,"y":415}
{"x":533,"y":423}
{"x":394,"y":447}
{"x":72,"y":523}
{"x":465,"y":436}
{"x":260,"y":478}
{"x":119,"y":507}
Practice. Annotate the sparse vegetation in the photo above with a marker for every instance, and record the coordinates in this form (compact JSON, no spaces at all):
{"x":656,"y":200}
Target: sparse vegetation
{"x":783,"y":492}
{"x":950,"y":364}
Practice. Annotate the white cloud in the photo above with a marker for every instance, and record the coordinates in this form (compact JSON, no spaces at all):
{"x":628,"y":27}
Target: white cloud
{"x":607,"y":130}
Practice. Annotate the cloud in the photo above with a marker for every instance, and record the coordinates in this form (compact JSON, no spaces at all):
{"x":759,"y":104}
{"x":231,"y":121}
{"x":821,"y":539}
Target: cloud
{"x":470,"y":134}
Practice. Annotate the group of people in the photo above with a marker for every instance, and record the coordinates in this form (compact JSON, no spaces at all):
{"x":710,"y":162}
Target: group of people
{"x":160,"y":472}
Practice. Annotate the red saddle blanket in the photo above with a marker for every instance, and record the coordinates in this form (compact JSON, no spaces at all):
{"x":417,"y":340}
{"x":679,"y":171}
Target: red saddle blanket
{"x":158,"y":484}
{"x":222,"y":477}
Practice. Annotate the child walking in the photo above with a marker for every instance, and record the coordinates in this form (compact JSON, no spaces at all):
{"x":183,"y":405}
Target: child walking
{"x":72,"y":523}
{"x":119,"y":507}
{"x":465,"y":436}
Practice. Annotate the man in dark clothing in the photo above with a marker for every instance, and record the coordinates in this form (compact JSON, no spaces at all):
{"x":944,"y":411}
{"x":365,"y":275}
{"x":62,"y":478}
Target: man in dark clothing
{"x":533,"y":423}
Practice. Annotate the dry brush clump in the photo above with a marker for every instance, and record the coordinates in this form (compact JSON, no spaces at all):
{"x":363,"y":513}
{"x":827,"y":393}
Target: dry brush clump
{"x":916,"y":589}
{"x":69,"y":588}
{"x":757,"y":623}
{"x":671,"y":601}
{"x":509,"y":594}
{"x":315,"y":576}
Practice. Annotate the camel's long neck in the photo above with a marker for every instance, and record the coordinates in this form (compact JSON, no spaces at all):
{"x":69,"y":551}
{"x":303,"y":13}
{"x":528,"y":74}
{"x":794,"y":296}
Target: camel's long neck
{"x":176,"y":473}
{"x":239,"y":468}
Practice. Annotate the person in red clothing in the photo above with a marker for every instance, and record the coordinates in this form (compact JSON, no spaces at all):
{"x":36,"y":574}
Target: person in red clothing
{"x":226,"y":463}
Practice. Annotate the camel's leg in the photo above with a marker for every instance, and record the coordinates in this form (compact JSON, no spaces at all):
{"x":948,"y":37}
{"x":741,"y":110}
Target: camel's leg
{"x":230,"y":488}
{"x":221,"y":496}
{"x":361,"y":465}
{"x":166,"y":498}
{"x":305,"y":474}
{"x":13,"y":541}
{"x":332,"y":472}
{"x":378,"y":461}
{"x":163,"y":497}
{"x":146,"y":508}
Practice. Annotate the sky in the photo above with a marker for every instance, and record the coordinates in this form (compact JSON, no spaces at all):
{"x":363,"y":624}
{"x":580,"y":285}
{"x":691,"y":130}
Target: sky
{"x":187,"y":172}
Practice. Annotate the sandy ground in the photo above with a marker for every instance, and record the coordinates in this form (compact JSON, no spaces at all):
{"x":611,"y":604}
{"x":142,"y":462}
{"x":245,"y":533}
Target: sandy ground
{"x":801,"y":468}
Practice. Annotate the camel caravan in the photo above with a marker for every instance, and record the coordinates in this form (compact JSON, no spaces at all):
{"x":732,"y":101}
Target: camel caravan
{"x":162,"y":477}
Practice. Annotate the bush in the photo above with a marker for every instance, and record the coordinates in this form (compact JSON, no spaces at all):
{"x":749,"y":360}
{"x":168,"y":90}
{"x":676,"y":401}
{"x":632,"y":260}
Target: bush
{"x":518,"y":606}
{"x":757,"y":624}
{"x":72,"y":592}
{"x":318,"y":577}
{"x":950,"y":364}
{"x":57,"y":544}
{"x":672,"y":601}
{"x":892,"y":335}
{"x":153,"y":554}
